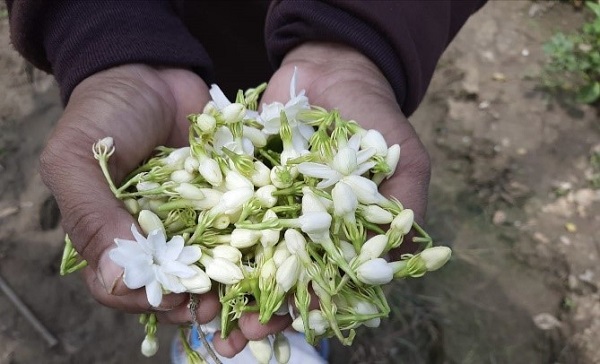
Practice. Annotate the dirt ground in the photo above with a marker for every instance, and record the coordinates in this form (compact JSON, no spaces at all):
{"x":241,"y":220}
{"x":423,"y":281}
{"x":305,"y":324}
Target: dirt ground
{"x":509,"y":191}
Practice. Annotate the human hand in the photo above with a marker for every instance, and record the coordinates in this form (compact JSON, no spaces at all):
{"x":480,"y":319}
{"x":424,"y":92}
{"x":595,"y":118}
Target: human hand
{"x":141,"y":108}
{"x":338,"y":77}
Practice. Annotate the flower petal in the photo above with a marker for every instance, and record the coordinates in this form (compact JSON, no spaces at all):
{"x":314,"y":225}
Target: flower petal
{"x":177,"y":269}
{"x":139,"y":237}
{"x":174,"y":248}
{"x":138,"y":275}
{"x":362,"y":168}
{"x":365,"y":154}
{"x":169,"y":282}
{"x":190,"y":254}
{"x":157,"y":240}
{"x":317,"y":170}
{"x":218,"y":97}
{"x":154,"y":293}
{"x":127,"y":251}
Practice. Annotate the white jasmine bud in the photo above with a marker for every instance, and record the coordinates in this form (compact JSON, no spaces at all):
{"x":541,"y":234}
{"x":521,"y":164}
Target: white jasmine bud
{"x":366,"y":190}
{"x":436,"y":257}
{"x":315,"y":222}
{"x":316,"y":322}
{"x":344,"y":201}
{"x":103,"y":148}
{"x":268,"y":270}
{"x":206,"y":122}
{"x":262,"y":174}
{"x":149,"y":221}
{"x":375,"y":272}
{"x":199,"y":283}
{"x":244,"y":238}
{"x":261,"y":349}
{"x":147,"y":186}
{"x":362,"y":307}
{"x":269,"y":237}
{"x":222,"y":270}
{"x":153,"y":204}
{"x":233,"y":200}
{"x":210,"y":108}
{"x":132,"y":205}
{"x":348,"y":251}
{"x":376,"y":215}
{"x":257,"y":137}
{"x":191,"y":164}
{"x":265,"y":197}
{"x":403,"y":221}
{"x":106,"y":143}
{"x":392,"y":158}
{"x":228,"y":252}
{"x":209,"y":170}
{"x":181,"y":176}
{"x":295,"y":241}
{"x":287,"y":273}
{"x":233,"y":113}
{"x":176,"y":158}
{"x":235,"y":180}
{"x":189,"y":191}
{"x":310,"y":202}
{"x":280,"y":254}
{"x":373,"y":248}
{"x":373,"y":139}
{"x":281,"y":347}
{"x":149,"y":346}
{"x":282,"y":176}
{"x":211,"y":199}
{"x":221,"y":222}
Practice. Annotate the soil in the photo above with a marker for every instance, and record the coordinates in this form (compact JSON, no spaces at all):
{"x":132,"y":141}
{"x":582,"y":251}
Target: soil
{"x":510,"y":192}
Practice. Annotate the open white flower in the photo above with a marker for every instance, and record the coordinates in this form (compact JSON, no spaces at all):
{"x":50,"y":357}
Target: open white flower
{"x":270,"y":117}
{"x":154,"y":263}
{"x":223,"y":138}
{"x":347,"y":162}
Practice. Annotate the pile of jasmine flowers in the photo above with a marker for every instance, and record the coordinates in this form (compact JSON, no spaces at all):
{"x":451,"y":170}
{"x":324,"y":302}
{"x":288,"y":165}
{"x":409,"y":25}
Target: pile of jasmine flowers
{"x":266,"y":208}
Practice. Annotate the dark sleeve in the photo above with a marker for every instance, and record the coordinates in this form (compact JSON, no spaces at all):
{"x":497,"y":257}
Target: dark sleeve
{"x":404,"y":38}
{"x":74,"y":39}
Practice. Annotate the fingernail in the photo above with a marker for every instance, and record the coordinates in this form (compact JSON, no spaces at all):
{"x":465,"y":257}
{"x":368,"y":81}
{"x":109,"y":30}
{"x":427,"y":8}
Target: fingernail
{"x":111,"y":276}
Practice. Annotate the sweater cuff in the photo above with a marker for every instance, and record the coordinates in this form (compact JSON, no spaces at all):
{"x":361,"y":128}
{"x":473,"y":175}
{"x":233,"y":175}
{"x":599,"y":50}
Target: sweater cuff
{"x":84,"y":37}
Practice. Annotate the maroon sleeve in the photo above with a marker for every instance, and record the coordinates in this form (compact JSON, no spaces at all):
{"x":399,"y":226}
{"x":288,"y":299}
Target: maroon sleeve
{"x":404,"y":38}
{"x":74,"y":39}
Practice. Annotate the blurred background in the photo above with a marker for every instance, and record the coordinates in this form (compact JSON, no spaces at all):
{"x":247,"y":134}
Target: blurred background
{"x":512,"y":124}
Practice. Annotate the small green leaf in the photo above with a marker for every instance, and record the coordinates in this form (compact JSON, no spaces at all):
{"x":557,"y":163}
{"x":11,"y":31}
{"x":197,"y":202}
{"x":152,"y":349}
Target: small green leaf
{"x":589,"y":93}
{"x":595,"y":7}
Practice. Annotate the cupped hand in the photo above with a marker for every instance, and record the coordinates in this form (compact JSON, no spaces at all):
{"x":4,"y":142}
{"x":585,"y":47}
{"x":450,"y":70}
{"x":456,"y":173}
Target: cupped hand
{"x":338,"y":77}
{"x":140,"y":107}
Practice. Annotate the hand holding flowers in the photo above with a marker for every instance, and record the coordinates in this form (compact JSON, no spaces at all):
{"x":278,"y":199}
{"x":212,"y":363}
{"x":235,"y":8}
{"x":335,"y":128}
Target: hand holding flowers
{"x":322,"y":199}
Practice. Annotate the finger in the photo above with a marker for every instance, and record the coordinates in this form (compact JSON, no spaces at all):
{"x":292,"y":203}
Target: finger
{"x":235,"y":343}
{"x":254,"y":330}
{"x":190,"y":94}
{"x":92,"y":216}
{"x":134,"y":302}
{"x":207,"y":310}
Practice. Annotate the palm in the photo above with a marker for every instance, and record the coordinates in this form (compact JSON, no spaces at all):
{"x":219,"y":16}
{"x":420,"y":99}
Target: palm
{"x":361,"y":93}
{"x":140,"y":108}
